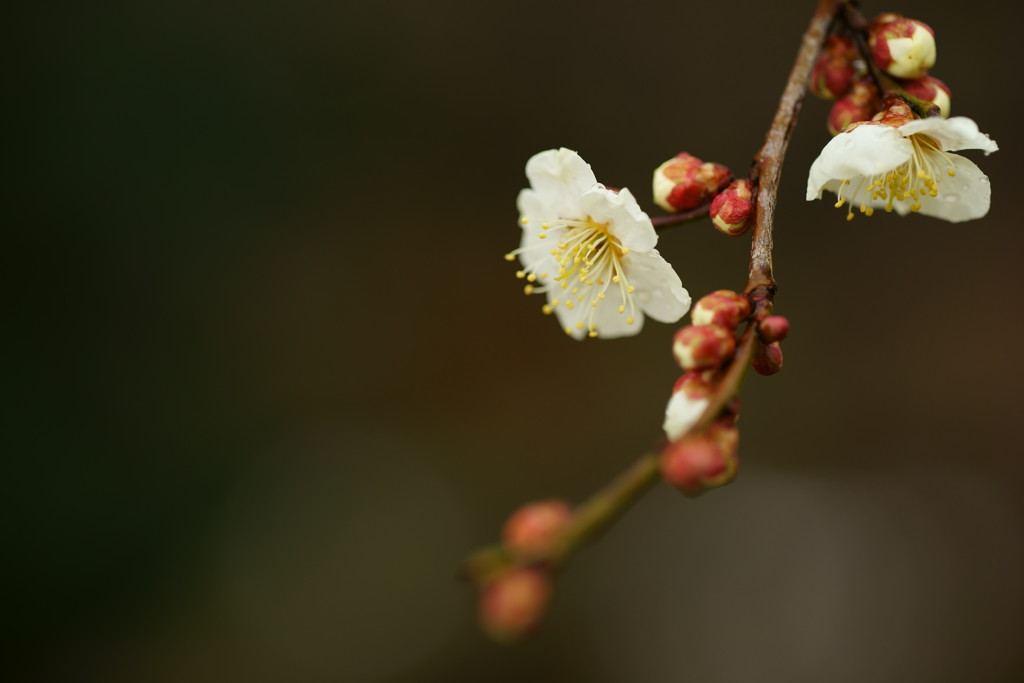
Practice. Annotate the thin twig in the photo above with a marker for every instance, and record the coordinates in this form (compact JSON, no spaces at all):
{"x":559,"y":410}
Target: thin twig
{"x":696,"y":213}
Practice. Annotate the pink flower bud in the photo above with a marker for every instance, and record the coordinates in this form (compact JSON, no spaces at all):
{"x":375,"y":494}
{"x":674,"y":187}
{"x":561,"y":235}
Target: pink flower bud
{"x":767,"y":359}
{"x":534,"y":528}
{"x":698,"y":463}
{"x":931,"y":89}
{"x":724,"y":307}
{"x":774,"y":328}
{"x":859,"y":105}
{"x":512,"y":604}
{"x":904,"y":48}
{"x":702,"y":347}
{"x":731,"y":209}
{"x":833,"y":71}
{"x":685,"y":182}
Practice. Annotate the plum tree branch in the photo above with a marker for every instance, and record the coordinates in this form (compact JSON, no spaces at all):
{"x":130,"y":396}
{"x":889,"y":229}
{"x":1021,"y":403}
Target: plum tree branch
{"x":601,"y":509}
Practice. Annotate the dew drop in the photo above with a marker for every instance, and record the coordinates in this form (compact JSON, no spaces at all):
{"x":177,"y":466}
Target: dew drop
{"x":950,"y":198}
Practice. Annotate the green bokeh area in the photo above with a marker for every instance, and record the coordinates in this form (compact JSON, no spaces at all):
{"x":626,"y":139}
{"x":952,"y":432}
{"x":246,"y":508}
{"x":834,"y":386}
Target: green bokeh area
{"x":269,"y":377}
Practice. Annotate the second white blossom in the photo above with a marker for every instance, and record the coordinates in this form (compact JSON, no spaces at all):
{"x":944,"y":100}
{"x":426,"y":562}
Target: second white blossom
{"x":904,"y":164}
{"x":591,"y":251}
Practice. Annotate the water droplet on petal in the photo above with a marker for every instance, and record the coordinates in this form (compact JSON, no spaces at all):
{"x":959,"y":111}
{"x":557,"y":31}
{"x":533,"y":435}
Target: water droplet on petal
{"x":951,"y":198}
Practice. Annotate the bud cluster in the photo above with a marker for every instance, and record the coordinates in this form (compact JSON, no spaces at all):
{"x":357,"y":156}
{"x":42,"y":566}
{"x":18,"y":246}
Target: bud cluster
{"x":901,"y":47}
{"x":685,"y":182}
{"x":513,"y":602}
{"x":694,"y":463}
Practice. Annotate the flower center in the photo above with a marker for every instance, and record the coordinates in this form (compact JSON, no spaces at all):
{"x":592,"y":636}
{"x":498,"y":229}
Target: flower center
{"x":590,"y":269}
{"x":915,"y":179}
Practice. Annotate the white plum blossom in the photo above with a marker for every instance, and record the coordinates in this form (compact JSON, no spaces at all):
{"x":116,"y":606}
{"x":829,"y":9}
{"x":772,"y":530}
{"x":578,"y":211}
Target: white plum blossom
{"x":590,"y":250}
{"x":906,"y":167}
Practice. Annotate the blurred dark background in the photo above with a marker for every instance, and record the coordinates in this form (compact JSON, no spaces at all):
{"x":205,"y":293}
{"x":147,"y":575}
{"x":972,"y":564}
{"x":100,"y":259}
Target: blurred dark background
{"x":270,"y":377}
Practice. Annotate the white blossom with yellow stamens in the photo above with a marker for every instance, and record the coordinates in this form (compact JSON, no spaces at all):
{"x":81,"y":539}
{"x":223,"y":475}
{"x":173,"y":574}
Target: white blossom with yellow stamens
{"x":906,"y":168}
{"x":591,"y":251}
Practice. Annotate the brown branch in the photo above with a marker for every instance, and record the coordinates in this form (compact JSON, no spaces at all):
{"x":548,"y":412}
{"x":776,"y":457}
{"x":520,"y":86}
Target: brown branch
{"x":767,"y":170}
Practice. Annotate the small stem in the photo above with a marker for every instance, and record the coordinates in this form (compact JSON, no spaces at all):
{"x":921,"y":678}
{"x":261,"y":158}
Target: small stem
{"x":588,"y":520}
{"x":696,"y":213}
{"x":605,"y":506}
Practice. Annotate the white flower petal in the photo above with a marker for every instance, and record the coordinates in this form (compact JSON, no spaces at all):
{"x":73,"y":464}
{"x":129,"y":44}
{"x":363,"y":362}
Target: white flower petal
{"x":560,"y":177}
{"x":956,"y":133}
{"x":659,"y":291}
{"x":568,"y":318}
{"x":626,"y":221}
{"x":963,"y":197}
{"x":535,"y":253}
{"x":610,"y":323}
{"x":682,"y":413}
{"x":866,"y":150}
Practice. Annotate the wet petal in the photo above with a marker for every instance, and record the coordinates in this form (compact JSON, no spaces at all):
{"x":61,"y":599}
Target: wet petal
{"x":956,"y":133}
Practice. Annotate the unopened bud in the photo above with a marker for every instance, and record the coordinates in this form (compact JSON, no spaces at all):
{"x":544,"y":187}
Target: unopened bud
{"x":724,"y":307}
{"x":702,"y":347}
{"x":904,"y":48}
{"x":833,"y":71}
{"x":685,"y":182}
{"x":731,"y":209}
{"x":931,"y":89}
{"x":695,"y":464}
{"x":767,"y":359}
{"x":774,"y":328}
{"x":513,"y":604}
{"x":688,"y":402}
{"x":860,"y":104}
{"x":534,"y":528}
